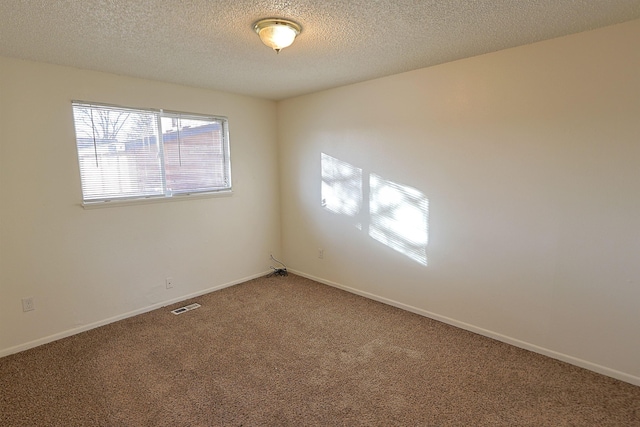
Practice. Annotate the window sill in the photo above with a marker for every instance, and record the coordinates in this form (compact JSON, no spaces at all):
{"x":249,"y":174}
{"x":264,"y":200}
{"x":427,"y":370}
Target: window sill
{"x":151,"y":200}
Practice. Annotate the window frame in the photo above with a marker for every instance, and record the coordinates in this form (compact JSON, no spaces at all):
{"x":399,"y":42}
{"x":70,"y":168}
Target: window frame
{"x":166,"y":195}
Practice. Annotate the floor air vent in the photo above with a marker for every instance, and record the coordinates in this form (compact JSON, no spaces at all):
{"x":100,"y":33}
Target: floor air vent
{"x":185,"y":308}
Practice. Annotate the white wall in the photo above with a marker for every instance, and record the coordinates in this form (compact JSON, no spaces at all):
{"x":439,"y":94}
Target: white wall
{"x":87,"y":267}
{"x":530,"y":160}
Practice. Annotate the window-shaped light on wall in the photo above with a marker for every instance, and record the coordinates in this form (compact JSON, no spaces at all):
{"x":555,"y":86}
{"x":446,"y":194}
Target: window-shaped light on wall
{"x":341,"y":186}
{"x":399,"y":217}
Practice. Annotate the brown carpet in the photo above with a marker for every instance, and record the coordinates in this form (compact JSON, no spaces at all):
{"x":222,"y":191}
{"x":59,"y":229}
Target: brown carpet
{"x":287,"y":351}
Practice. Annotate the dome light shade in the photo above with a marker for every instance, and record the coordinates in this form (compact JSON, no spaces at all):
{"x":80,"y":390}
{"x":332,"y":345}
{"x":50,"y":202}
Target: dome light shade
{"x":277,"y":33}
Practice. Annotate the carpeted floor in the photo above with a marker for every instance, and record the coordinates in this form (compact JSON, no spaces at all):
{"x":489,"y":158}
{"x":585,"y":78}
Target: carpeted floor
{"x":287,"y":351}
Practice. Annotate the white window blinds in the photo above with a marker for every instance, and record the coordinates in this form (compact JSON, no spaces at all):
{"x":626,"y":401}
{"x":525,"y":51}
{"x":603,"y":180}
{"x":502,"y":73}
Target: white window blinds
{"x":128,"y":154}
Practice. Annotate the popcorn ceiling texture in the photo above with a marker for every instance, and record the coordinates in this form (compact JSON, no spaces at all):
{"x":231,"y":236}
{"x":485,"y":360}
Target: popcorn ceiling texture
{"x":211,"y":44}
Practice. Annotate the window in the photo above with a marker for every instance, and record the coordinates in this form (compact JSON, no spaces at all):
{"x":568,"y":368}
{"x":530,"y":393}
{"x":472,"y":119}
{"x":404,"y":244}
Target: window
{"x":129,"y":153}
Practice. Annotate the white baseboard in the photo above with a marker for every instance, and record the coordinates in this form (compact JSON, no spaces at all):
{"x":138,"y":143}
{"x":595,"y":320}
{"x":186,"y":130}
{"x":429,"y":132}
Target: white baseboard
{"x":83,"y":328}
{"x":632,"y":379}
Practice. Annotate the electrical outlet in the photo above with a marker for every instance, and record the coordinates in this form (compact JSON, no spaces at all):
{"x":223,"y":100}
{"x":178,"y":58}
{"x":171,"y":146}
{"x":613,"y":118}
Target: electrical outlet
{"x":27,"y":304}
{"x":169,"y":282}
{"x":320,"y":253}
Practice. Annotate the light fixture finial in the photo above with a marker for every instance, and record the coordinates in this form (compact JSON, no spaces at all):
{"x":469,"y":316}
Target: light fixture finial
{"x":277,"y":33}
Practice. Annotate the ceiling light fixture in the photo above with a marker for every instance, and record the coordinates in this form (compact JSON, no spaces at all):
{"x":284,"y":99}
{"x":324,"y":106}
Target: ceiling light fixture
{"x":277,"y":33}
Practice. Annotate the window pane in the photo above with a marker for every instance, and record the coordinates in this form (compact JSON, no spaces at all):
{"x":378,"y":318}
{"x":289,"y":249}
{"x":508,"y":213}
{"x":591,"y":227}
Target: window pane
{"x":128,"y":154}
{"x":118,"y":152}
{"x":194,"y":151}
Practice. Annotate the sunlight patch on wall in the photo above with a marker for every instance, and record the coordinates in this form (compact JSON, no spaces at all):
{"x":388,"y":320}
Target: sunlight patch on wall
{"x":393,"y":214}
{"x":341,"y":186}
{"x":399,"y":217}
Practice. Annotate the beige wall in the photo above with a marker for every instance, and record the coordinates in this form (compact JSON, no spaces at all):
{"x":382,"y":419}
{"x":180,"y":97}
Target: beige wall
{"x":530,"y":161}
{"x":88,"y":267}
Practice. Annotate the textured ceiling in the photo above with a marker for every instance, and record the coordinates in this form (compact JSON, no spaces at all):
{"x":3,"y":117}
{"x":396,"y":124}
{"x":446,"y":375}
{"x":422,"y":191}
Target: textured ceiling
{"x":211,"y":44}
